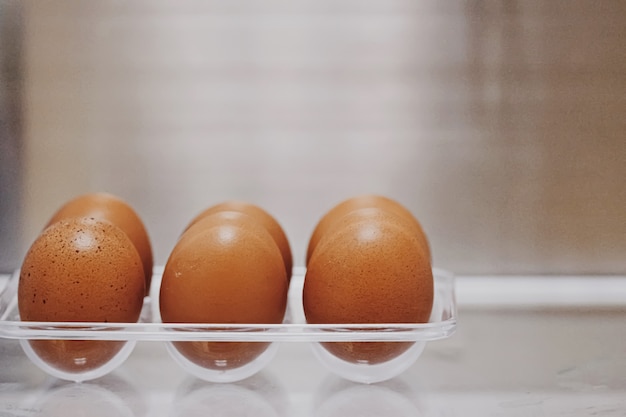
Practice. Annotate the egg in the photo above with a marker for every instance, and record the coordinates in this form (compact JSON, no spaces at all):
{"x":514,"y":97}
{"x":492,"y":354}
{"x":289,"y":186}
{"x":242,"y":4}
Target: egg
{"x":80,"y":270}
{"x":226,"y":268}
{"x":359,"y":202}
{"x":369,"y":268}
{"x":115,"y":210}
{"x":266,"y":219}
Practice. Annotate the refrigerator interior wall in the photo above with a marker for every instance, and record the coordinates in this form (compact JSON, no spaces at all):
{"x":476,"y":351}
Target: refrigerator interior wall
{"x":10,"y":133}
{"x":499,"y":124}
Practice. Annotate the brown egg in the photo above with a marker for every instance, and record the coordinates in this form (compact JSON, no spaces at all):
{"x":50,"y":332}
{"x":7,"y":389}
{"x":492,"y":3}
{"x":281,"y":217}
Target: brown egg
{"x":80,"y":269}
{"x":226,"y":268}
{"x":371,"y":268}
{"x":364,"y":201}
{"x":266,"y":219}
{"x":115,"y":210}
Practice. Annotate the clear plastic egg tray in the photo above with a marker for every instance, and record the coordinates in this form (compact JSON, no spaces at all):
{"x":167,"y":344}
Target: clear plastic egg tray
{"x":442,"y":324}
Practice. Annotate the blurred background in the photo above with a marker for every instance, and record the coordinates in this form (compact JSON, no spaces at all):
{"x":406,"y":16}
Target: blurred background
{"x":499,"y":124}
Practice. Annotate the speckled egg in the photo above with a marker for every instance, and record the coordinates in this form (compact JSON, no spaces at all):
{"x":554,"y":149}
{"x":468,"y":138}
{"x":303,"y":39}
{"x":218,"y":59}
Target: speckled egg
{"x":369,"y":268}
{"x":80,"y":270}
{"x":117,"y":211}
{"x":359,"y":202}
{"x":226,"y":268}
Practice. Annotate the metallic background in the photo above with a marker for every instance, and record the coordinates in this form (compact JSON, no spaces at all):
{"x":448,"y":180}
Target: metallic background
{"x":499,"y":124}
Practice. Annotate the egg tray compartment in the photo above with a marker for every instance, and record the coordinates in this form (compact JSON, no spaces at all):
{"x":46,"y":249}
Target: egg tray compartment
{"x":442,"y":324}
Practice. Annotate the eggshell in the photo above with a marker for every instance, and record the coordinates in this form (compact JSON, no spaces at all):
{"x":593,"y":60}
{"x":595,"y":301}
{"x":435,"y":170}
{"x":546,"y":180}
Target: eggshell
{"x":80,"y":270}
{"x":115,"y":210}
{"x":226,"y":268}
{"x":364,"y":201}
{"x":266,"y":219}
{"x":371,"y":268}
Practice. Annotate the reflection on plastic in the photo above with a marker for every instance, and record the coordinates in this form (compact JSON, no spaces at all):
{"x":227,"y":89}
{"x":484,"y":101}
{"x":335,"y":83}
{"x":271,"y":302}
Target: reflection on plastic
{"x":227,"y":374}
{"x":221,"y":356}
{"x":50,"y":362}
{"x":76,"y":356}
{"x":340,"y":398}
{"x":112,"y":395}
{"x":260,"y":396}
{"x":368,"y":373}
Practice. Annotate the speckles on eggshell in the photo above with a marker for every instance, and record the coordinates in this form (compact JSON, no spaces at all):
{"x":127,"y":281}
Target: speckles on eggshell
{"x":107,"y":271}
{"x":110,"y":209}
